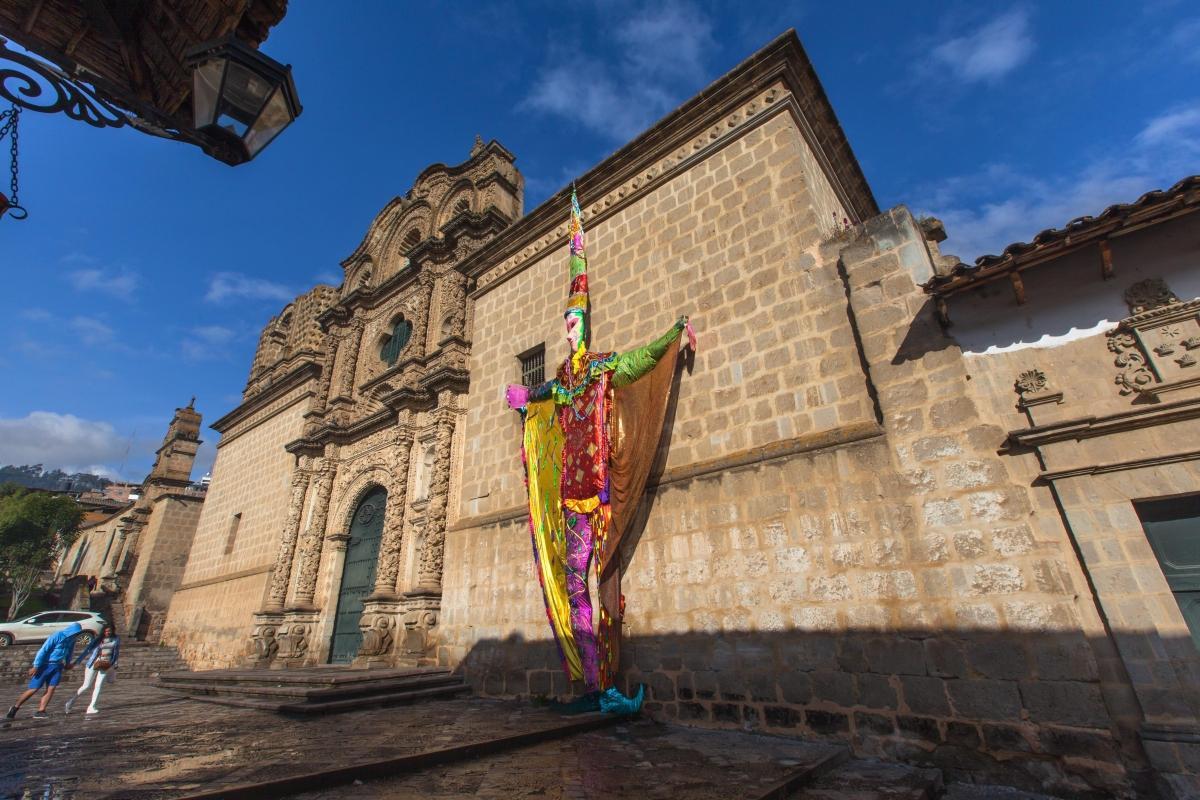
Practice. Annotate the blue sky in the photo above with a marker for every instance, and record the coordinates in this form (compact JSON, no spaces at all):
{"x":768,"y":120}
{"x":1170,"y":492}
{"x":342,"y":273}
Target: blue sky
{"x":146,"y":270}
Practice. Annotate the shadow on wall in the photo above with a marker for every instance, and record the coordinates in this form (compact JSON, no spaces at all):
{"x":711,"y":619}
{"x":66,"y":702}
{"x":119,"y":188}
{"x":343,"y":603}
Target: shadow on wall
{"x":1025,"y":709}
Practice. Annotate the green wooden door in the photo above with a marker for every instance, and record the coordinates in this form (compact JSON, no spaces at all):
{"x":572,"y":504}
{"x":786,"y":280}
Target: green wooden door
{"x":1173,"y":528}
{"x":358,"y":575}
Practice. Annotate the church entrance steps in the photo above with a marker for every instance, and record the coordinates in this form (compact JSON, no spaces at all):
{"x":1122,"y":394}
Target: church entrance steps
{"x":316,"y":690}
{"x":138,"y":660}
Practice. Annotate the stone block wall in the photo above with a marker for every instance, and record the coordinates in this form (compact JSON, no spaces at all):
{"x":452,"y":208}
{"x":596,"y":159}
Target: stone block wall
{"x":226,"y":574}
{"x":860,"y":565}
{"x":163,"y":554}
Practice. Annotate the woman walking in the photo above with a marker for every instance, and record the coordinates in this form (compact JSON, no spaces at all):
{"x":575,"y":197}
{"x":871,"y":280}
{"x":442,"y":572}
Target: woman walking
{"x":101,"y":656}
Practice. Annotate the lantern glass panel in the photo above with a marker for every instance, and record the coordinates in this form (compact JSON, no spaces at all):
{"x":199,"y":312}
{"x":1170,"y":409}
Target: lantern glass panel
{"x":274,"y":117}
{"x":206,"y":86}
{"x":242,"y":97}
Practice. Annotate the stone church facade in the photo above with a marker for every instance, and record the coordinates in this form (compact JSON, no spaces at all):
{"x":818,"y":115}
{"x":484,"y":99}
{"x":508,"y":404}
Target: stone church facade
{"x":858,"y":528}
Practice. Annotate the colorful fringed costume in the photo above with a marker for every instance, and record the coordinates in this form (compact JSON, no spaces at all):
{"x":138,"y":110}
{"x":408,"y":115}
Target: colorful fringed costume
{"x":590,"y":437}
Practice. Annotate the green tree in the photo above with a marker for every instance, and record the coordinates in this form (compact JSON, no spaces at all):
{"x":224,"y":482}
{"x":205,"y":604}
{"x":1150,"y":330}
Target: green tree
{"x":34,"y":526}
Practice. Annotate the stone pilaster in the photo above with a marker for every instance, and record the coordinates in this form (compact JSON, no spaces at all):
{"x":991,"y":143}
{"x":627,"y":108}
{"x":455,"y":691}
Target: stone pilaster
{"x":314,"y":535}
{"x":352,"y":344}
{"x":282,"y":573}
{"x":392,"y":544}
{"x":429,"y":573}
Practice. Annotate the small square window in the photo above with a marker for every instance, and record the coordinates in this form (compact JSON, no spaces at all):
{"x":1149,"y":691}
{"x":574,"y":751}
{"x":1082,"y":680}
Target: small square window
{"x":533,"y":366}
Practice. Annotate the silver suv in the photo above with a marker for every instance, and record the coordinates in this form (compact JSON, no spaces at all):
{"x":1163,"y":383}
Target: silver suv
{"x":41,"y":626}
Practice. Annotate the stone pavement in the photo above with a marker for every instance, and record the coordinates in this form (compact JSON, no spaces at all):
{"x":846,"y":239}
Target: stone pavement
{"x":639,"y":759}
{"x":147,"y":743}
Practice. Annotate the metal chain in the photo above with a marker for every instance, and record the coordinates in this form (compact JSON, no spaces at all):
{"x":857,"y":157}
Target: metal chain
{"x":9,"y":126}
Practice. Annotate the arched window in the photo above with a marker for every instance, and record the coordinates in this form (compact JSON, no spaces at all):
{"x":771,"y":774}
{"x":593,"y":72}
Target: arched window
{"x":394,"y":343}
{"x":412,"y":239}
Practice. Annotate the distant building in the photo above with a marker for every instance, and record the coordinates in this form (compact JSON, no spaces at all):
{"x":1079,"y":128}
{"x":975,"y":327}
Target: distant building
{"x":139,"y":550}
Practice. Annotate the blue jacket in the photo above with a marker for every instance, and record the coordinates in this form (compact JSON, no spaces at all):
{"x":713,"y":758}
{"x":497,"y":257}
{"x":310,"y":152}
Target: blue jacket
{"x":59,"y":647}
{"x":92,"y":651}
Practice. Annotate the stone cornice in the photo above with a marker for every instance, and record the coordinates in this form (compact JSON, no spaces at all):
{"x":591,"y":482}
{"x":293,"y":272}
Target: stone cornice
{"x":315,"y":443}
{"x":294,"y":378}
{"x":839,"y":437}
{"x":777,"y":78}
{"x":1119,"y":466}
{"x":1091,"y":427}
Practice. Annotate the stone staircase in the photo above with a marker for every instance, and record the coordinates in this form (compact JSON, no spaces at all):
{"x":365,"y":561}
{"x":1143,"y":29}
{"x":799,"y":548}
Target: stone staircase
{"x":318,"y":690}
{"x":138,"y":660}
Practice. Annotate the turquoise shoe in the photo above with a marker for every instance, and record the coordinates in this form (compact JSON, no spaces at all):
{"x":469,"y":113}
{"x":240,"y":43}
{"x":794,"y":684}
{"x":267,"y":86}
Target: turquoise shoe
{"x":613,"y":702}
{"x":584,"y":704}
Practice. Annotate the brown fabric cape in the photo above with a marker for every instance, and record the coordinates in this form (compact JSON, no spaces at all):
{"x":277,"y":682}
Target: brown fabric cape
{"x":639,"y":411}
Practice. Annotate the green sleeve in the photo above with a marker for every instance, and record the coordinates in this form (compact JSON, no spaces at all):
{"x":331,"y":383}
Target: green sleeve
{"x":636,"y":363}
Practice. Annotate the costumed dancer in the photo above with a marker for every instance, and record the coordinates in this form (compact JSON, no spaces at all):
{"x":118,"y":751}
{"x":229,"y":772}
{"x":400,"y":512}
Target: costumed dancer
{"x":590,"y":436}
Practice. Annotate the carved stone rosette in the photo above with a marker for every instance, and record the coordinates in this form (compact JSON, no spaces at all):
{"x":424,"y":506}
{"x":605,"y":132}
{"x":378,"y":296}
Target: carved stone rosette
{"x":287,"y":545}
{"x":429,"y":574}
{"x":314,"y":535}
{"x":263,"y":646}
{"x":392,"y":544}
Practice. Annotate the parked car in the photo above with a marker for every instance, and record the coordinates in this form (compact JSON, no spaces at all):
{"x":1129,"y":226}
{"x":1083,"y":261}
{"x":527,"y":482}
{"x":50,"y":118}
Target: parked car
{"x":39,"y":627}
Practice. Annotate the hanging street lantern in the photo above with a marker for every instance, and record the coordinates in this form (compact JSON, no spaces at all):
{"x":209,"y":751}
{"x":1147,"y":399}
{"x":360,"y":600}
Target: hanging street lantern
{"x":241,"y":99}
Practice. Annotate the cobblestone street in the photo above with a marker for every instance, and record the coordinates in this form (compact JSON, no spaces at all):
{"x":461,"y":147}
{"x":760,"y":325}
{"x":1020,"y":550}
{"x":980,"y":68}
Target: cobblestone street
{"x":147,"y":743}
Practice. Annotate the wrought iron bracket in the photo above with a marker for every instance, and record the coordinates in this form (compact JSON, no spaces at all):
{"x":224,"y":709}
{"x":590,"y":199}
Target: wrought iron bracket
{"x":38,"y":85}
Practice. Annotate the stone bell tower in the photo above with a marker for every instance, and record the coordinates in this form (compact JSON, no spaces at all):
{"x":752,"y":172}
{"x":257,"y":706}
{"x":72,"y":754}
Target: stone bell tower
{"x":173,"y":462}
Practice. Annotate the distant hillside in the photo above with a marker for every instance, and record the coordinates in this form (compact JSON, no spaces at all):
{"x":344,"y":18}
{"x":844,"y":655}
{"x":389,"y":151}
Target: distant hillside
{"x":35,"y":477}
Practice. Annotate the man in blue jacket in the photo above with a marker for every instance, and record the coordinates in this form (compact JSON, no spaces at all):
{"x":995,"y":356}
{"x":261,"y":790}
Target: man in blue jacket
{"x":47,"y":669}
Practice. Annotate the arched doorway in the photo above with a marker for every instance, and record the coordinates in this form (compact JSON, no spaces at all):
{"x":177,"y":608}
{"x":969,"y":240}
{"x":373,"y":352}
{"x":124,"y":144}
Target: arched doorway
{"x":358,"y":575}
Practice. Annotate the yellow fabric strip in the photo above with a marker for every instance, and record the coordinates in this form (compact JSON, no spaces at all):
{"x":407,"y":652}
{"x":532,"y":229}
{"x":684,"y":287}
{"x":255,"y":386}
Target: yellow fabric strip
{"x":585,"y":506}
{"x":543,"y":459}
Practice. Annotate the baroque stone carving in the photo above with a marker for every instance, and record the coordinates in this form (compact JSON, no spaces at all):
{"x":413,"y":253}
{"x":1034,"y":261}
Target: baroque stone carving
{"x":263,"y":645}
{"x":1135,"y":373}
{"x":453,"y":302}
{"x":287,"y":544}
{"x":1149,"y":294}
{"x":433,"y":546}
{"x":377,"y":635}
{"x":392,"y":544}
{"x":352,"y":344}
{"x":310,"y":545}
{"x":293,"y":641}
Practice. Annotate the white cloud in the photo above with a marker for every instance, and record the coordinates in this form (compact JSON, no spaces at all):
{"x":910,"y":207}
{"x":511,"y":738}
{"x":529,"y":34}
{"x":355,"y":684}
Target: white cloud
{"x":120,"y":284}
{"x":207,"y":342}
{"x":991,"y":52}
{"x":237,"y":286}
{"x":986,"y":211}
{"x":92,"y":331}
{"x":1180,"y":126}
{"x":37,"y":315}
{"x":660,"y":56}
{"x":328,"y":278}
{"x":61,"y":441}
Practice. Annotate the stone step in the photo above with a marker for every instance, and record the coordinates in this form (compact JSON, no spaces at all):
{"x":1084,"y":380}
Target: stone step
{"x":333,"y":706}
{"x":315,"y":677}
{"x":869,"y":779}
{"x":304,"y":692}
